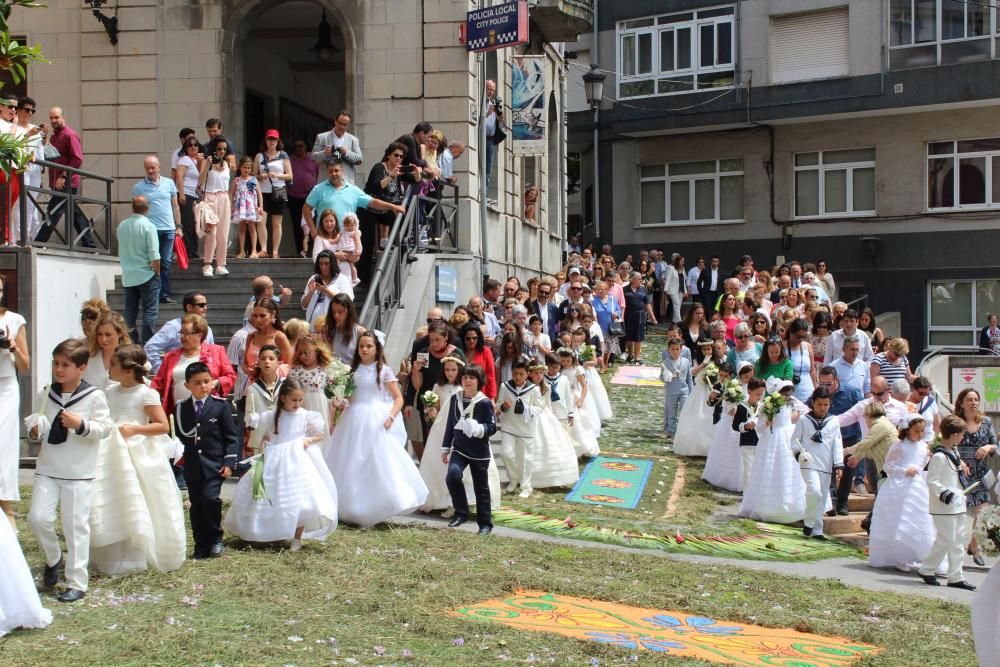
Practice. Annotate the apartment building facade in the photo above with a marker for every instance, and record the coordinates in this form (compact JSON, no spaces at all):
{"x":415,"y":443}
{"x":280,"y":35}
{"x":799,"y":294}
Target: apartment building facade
{"x":861,"y":132}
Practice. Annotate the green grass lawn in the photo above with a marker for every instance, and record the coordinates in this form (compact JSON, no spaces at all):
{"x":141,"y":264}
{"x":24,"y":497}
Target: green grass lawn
{"x":382,"y":596}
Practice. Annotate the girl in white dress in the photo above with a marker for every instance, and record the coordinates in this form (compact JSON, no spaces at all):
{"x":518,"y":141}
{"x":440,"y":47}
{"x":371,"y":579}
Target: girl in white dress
{"x":298,"y":498}
{"x":309,"y":367}
{"x":902,"y":532}
{"x":695,"y":430}
{"x":20,"y":605}
{"x":724,"y":465}
{"x":262,"y":395}
{"x":376,"y":478}
{"x":597,"y":395}
{"x":776,"y":492}
{"x":14,"y":359}
{"x":585,"y":425}
{"x":432,"y":468}
{"x":554,"y":454}
{"x":136,"y":518}
{"x":108,"y":334}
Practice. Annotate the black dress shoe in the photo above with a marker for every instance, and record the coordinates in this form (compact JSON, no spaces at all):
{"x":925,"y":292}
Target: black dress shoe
{"x":457,"y":521}
{"x":821,"y":537}
{"x":842,"y":511}
{"x":977,"y":557}
{"x":52,"y":573}
{"x":485,"y":530}
{"x":807,"y":531}
{"x":71,"y":595}
{"x":930,"y":580}
{"x":964,"y":585}
{"x":215,"y":550}
{"x":168,"y":300}
{"x":198,"y":554}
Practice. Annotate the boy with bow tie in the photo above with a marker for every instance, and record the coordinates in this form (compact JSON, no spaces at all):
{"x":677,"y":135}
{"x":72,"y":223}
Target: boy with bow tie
{"x":72,"y":419}
{"x":819,"y":449}
{"x":471,"y":422}
{"x":206,"y":428}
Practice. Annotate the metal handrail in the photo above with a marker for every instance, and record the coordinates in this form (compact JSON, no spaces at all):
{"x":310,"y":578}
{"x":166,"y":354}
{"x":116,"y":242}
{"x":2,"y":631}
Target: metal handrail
{"x":66,"y":233}
{"x":863,"y":297}
{"x":383,"y":294}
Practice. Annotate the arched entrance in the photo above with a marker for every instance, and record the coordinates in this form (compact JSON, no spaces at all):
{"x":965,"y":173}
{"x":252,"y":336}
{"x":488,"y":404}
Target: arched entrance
{"x":274,"y":76}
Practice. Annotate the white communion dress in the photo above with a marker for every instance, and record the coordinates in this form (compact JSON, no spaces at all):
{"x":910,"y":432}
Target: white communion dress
{"x":136,"y":518}
{"x":902,"y":532}
{"x":595,"y":386}
{"x":695,"y":431}
{"x":724,"y":465}
{"x":586,"y":428}
{"x":298,"y":487}
{"x":433,"y":470}
{"x":776,"y":492}
{"x":554,"y":460}
{"x":20,"y":606}
{"x":376,"y":478}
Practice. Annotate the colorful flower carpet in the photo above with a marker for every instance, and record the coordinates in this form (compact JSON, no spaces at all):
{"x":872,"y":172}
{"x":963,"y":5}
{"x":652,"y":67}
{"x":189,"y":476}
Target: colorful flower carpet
{"x":611,"y":481}
{"x":671,"y":632}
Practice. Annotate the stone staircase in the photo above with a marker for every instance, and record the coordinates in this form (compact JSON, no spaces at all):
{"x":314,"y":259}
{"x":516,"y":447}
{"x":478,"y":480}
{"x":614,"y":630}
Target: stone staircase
{"x":848,"y":528}
{"x":228,"y":296}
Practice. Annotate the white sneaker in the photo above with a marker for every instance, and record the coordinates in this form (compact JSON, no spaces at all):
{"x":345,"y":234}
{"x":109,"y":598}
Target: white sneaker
{"x":222,"y":271}
{"x":296,"y":545}
{"x":207,"y":271}
{"x":382,"y":244}
{"x":861,"y":490}
{"x":356,"y":282}
{"x":525,"y":493}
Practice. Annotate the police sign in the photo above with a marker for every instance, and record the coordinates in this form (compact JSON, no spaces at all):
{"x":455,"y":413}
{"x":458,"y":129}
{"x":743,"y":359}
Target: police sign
{"x":496,"y":27}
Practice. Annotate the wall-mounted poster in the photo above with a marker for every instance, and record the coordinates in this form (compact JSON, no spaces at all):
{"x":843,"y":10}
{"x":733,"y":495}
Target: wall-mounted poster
{"x":528,"y":105}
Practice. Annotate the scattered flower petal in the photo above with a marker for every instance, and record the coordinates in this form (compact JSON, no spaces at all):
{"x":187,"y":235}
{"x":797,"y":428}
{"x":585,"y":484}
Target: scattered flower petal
{"x":458,"y":641}
{"x":379,"y":650}
{"x":295,"y":638}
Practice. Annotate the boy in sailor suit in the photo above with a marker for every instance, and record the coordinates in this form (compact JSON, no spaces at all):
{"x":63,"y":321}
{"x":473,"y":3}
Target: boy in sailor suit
{"x":72,"y":419}
{"x":206,"y":428}
{"x":945,"y":485}
{"x":677,"y":384}
{"x":560,"y":393}
{"x":471,"y":422}
{"x":745,"y":423}
{"x":519,"y":402}
{"x":819,"y":449}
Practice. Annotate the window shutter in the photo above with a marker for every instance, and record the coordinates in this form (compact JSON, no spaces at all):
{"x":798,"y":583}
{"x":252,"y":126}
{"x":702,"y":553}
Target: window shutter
{"x":809,"y":46}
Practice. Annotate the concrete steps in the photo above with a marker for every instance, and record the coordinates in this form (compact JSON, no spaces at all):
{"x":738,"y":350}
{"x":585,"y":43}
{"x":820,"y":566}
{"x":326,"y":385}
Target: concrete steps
{"x":848,"y":528}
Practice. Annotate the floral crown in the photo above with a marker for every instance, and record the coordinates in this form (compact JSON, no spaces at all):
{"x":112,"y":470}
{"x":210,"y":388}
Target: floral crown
{"x":566,"y":352}
{"x":461,"y":364}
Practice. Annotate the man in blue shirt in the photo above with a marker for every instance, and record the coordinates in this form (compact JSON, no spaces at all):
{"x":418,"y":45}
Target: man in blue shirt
{"x":164,"y":213}
{"x":852,"y":371}
{"x":843,"y":399}
{"x":447,"y":160}
{"x":139,"y":255}
{"x":341,"y":197}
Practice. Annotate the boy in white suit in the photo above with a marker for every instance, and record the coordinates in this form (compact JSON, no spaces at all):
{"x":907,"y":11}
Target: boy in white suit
{"x":72,"y":418}
{"x":819,"y":449}
{"x":945,"y":483}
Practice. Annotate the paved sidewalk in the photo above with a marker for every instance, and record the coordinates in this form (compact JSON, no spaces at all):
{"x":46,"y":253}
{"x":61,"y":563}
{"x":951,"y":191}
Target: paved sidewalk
{"x":852,"y":572}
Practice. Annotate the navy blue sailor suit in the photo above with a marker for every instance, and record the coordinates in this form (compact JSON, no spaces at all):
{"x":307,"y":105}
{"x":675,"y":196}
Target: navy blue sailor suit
{"x":470,"y":447}
{"x":210,"y":443}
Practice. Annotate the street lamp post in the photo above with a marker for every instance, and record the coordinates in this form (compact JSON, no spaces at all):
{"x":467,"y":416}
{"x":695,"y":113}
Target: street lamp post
{"x":593,"y":84}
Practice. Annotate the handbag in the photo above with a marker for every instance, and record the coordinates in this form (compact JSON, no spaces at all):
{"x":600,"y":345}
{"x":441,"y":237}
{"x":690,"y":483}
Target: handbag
{"x":499,"y":135}
{"x":50,"y":152}
{"x":616,"y":328}
{"x":180,"y":253}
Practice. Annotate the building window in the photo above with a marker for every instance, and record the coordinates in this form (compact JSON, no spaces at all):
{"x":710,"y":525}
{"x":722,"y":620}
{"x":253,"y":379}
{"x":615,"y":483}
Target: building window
{"x":835,"y":183}
{"x":676,"y":53}
{"x":957,"y":310}
{"x":812,"y":45}
{"x":691,"y":192}
{"x":924,"y":33}
{"x":963,"y":174}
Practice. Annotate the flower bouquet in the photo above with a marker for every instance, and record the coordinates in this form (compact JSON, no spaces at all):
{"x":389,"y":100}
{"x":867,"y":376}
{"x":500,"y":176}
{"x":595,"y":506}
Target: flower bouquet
{"x":587,"y":353}
{"x":431,"y":403}
{"x":771,"y":406}
{"x":710,"y":374}
{"x":987,"y":531}
{"x":732,"y":391}
{"x":339,"y":386}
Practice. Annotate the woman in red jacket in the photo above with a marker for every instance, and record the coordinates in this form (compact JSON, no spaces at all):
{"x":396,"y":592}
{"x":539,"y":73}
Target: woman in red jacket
{"x":169,"y":380}
{"x":476,"y":352}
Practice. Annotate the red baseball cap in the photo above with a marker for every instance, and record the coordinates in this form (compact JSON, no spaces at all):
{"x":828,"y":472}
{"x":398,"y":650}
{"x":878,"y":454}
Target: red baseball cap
{"x":271,"y":134}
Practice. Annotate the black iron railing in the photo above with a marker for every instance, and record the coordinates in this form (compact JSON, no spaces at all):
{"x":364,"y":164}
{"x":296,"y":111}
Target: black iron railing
{"x":437,"y":213}
{"x":67,"y":219}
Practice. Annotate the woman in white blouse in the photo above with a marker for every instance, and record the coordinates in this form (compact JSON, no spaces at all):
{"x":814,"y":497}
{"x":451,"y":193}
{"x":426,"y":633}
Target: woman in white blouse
{"x":186,"y":178}
{"x":214,"y":185}
{"x":273,"y":170}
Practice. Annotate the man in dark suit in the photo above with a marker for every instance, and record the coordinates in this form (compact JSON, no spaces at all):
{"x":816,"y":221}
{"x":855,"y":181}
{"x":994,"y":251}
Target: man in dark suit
{"x":709,"y":285}
{"x":545,"y":309}
{"x":205,"y":426}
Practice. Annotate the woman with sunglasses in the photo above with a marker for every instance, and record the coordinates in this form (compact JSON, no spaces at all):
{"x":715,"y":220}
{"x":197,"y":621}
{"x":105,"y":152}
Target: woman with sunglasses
{"x":822,"y":327}
{"x":801,"y":357}
{"x":825,"y":279}
{"x":214,"y":185}
{"x":745,"y":348}
{"x":274,"y":173}
{"x":186,"y":177}
{"x":387,"y":181}
{"x":477,"y":353}
{"x":35,"y":137}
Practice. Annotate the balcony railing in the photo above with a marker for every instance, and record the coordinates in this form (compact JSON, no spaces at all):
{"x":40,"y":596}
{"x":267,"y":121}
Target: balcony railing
{"x":66,"y":219}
